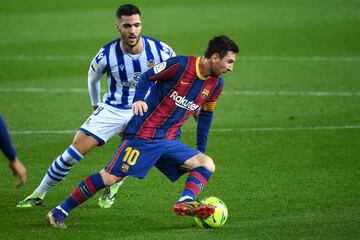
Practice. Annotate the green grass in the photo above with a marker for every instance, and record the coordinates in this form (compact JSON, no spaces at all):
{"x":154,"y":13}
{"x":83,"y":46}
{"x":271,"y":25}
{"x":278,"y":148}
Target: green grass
{"x":279,"y":181}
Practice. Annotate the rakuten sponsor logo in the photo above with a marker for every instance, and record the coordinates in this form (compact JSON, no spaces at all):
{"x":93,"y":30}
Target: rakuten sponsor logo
{"x":182,"y":102}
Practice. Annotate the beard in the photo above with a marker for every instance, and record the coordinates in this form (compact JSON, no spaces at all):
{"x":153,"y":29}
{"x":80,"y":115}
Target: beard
{"x":215,"y":73}
{"x":131,"y":43}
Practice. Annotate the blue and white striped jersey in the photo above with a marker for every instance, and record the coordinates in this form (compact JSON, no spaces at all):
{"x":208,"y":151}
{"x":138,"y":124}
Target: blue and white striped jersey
{"x":124,"y":70}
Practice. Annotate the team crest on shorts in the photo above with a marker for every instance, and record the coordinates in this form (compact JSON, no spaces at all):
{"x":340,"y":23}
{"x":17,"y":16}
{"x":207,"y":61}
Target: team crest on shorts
{"x":150,"y":63}
{"x":124,"y":168}
{"x":205,"y":93}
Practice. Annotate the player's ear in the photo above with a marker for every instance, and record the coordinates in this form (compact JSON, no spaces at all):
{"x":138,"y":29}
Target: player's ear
{"x":117,"y":26}
{"x":215,"y":57}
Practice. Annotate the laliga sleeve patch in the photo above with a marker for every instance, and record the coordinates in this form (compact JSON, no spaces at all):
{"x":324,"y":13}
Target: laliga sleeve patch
{"x":159,"y":67}
{"x":95,"y":66}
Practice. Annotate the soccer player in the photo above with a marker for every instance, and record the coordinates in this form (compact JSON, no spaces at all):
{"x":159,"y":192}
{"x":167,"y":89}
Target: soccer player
{"x":183,"y":84}
{"x":16,"y":166}
{"x":123,"y":60}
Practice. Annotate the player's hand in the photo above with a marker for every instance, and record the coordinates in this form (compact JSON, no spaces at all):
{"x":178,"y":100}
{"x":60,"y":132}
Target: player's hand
{"x":196,"y":114}
{"x":18,"y":169}
{"x":139,"y":108}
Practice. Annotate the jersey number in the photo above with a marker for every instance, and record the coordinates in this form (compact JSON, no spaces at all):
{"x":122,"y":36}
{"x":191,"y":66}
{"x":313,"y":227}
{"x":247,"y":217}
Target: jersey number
{"x":98,"y":110}
{"x":131,"y":155}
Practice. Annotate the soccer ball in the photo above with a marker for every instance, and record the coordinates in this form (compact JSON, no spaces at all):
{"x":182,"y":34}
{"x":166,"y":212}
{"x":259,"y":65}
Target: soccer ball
{"x":216,"y":220}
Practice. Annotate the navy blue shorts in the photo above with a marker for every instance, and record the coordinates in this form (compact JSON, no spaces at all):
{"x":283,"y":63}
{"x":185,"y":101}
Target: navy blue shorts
{"x":135,"y":157}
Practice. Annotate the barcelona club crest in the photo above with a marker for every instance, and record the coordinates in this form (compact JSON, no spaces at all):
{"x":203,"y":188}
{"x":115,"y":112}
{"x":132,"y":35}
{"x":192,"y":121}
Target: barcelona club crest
{"x":124,"y":168}
{"x":205,"y":93}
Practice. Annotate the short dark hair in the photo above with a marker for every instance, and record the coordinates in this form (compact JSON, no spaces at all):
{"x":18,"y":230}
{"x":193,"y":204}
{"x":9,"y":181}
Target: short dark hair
{"x":127,"y":10}
{"x":221,"y":45}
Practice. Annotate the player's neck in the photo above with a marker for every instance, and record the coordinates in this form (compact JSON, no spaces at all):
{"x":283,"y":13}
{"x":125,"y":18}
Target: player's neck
{"x":137,"y":49}
{"x":204,"y":67}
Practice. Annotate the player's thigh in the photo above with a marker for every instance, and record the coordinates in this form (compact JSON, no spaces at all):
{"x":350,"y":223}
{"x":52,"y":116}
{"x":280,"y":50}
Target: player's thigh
{"x":176,"y":153}
{"x":105,"y":122}
{"x":83,"y":143}
{"x":135,"y":157}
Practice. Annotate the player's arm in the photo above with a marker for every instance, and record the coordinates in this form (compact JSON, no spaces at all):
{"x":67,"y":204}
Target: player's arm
{"x":161,"y":72}
{"x":196,"y":114}
{"x":18,"y":169}
{"x":94,"y":87}
{"x":204,"y":122}
{"x":205,"y":118}
{"x":96,"y":71}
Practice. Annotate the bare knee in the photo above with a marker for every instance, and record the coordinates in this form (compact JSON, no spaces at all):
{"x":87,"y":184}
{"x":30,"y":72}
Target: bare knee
{"x":208,"y":162}
{"x":201,"y":160}
{"x":109,"y":179}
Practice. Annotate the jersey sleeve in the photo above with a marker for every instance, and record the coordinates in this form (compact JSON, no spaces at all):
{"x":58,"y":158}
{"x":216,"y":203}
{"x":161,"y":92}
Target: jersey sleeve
{"x":5,"y":142}
{"x":99,"y":63}
{"x":206,"y":116}
{"x":94,"y":86}
{"x":163,"y":71}
{"x":167,"y":52}
{"x":97,"y":69}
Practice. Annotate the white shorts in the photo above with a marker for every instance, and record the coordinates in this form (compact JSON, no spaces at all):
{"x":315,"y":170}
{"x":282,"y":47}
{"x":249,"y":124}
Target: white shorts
{"x":105,"y":122}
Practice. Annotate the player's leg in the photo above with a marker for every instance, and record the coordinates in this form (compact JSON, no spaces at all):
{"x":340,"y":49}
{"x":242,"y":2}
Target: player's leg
{"x":60,"y":168}
{"x":202,"y":167}
{"x":134,"y":158}
{"x":82,"y":192}
{"x":96,"y":130}
{"x":107,"y":198}
{"x":178,"y":157}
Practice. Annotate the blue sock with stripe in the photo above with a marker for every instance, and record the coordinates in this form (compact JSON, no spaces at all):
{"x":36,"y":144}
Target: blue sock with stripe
{"x":82,"y":192}
{"x":195,"y":183}
{"x":59,"y":169}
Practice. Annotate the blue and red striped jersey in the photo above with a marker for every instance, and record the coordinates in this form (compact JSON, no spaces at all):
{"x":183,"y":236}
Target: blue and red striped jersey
{"x":179,"y":90}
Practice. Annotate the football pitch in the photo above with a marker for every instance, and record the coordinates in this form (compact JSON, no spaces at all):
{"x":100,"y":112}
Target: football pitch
{"x":285,"y":137}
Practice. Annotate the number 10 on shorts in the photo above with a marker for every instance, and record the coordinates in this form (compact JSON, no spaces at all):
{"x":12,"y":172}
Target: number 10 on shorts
{"x":131,"y":155}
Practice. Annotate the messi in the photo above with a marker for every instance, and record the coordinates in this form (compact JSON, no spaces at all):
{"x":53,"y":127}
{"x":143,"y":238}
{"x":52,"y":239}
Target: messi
{"x":182,"y":102}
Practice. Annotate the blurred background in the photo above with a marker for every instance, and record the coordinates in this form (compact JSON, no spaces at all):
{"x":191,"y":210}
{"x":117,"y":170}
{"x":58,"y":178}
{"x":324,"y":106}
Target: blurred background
{"x":285,"y":136}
